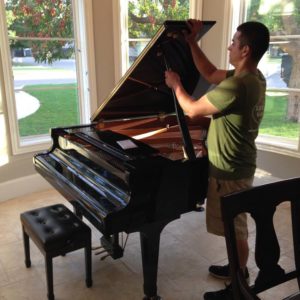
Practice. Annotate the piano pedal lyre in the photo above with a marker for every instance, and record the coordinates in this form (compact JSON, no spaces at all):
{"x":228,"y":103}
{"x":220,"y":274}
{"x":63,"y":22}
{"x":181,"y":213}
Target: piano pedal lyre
{"x":110,"y":246}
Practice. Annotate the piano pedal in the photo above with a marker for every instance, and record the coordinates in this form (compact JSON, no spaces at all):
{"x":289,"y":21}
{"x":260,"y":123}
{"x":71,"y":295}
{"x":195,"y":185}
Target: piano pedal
{"x":96,"y":248}
{"x":103,"y":257}
{"x":101,"y":252}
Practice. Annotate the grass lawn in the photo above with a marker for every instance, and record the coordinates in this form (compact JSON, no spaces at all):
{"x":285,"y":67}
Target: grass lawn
{"x":274,"y":121}
{"x":58,"y":107}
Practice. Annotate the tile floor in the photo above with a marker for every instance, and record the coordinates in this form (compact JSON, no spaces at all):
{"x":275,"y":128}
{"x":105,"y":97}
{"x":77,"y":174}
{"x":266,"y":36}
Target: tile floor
{"x":186,"y":252}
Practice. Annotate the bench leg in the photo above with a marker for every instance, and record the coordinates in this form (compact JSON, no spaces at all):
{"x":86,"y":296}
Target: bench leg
{"x":49,"y":277}
{"x":26,"y":248}
{"x":88,"y":265}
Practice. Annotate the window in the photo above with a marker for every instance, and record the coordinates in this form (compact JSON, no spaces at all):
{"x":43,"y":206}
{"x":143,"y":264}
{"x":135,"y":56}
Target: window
{"x":48,"y":82}
{"x":138,"y":20}
{"x":281,"y":66}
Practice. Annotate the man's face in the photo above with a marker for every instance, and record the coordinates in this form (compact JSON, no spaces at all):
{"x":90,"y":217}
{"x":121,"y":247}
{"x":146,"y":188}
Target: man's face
{"x":235,"y":49}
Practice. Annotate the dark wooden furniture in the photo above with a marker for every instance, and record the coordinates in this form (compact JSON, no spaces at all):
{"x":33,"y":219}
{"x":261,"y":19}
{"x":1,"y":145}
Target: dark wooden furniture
{"x":261,"y":203}
{"x":56,"y":231}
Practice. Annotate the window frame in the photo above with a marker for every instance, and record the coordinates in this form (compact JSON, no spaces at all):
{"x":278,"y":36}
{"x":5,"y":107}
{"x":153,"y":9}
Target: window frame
{"x":264,"y":144}
{"x":86,"y":78}
{"x":120,"y":21}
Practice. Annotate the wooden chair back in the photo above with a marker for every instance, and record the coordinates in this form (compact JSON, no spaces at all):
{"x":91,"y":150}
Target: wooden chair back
{"x":261,"y":202}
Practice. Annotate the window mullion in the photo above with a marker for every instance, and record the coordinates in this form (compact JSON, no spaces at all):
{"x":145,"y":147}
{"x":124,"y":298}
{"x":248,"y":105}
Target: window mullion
{"x":9,"y":82}
{"x":85,"y":59}
{"x":196,"y":9}
{"x":279,"y":131}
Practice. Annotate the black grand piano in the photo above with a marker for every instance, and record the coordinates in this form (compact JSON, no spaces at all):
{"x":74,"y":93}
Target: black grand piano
{"x":141,"y":163}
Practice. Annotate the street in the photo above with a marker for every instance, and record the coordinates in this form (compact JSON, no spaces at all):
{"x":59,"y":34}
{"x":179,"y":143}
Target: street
{"x":62,"y":71}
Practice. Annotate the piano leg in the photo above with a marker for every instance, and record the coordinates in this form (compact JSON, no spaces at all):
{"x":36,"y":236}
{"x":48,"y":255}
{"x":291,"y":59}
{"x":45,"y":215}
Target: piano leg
{"x":150,"y":238}
{"x":77,"y":210}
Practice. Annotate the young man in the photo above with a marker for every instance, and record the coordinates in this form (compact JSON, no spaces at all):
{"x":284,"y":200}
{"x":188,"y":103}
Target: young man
{"x":236,"y":105}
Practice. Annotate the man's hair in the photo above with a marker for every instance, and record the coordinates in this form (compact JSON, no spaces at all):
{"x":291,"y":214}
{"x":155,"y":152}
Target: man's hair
{"x":255,"y":35}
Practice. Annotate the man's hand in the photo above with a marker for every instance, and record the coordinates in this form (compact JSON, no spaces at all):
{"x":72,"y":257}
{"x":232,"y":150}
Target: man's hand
{"x":194,"y":27}
{"x":172,"y":79}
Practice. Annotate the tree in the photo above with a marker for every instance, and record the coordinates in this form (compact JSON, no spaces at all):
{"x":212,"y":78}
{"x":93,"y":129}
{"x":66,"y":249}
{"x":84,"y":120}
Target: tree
{"x":146,"y":16}
{"x":283,"y":19}
{"x":45,"y":26}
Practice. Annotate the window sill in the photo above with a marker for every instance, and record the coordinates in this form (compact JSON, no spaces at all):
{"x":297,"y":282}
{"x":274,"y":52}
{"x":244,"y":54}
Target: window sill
{"x":278,"y":145}
{"x":33,"y":144}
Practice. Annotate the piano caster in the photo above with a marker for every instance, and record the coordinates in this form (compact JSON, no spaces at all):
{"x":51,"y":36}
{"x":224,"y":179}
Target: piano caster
{"x":152,"y":298}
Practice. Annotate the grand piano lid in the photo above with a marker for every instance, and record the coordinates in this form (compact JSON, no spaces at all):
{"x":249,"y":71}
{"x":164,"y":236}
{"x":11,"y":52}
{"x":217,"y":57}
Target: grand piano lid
{"x":142,"y":91}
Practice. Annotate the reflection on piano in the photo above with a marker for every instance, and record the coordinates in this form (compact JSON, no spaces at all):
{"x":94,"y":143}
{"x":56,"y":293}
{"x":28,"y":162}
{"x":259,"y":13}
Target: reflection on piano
{"x":140,"y":164}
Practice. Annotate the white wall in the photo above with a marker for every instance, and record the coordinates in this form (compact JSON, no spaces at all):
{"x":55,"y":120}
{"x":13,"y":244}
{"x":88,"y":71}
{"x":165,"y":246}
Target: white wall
{"x":104,"y":48}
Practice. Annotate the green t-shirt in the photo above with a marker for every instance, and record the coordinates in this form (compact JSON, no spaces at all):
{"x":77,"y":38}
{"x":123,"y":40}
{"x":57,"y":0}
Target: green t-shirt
{"x":232,"y":132}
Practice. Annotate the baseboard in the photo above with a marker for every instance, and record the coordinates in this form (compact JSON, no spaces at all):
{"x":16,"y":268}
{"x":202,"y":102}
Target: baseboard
{"x":22,"y":186}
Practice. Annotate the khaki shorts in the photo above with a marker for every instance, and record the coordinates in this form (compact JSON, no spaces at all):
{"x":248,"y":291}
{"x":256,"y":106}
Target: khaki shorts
{"x":216,"y":189}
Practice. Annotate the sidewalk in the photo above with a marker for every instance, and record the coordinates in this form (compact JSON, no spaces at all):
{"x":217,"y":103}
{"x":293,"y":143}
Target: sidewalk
{"x":25,"y":104}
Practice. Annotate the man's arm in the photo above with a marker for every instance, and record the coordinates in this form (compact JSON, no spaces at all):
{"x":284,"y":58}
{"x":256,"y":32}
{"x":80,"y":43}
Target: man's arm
{"x":204,"y":66}
{"x":201,"y":107}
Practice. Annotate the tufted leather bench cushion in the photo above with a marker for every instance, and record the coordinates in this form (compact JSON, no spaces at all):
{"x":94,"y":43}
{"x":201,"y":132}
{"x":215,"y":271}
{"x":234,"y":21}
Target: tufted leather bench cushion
{"x":54,"y":227}
{"x":56,"y":231}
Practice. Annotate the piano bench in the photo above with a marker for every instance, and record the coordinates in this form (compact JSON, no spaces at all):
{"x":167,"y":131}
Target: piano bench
{"x":56,"y":231}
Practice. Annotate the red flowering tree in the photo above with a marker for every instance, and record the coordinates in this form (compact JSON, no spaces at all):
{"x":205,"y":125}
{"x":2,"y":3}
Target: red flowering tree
{"x":146,"y":16}
{"x":44,"y":26}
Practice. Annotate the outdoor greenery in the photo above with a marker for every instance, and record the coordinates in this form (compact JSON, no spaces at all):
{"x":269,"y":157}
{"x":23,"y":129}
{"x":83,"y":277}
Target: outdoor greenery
{"x":47,"y":19}
{"x":146,"y":16}
{"x":275,"y":121}
{"x":50,"y":21}
{"x":282,"y":17}
{"x":58,"y":105}
{"x":275,"y":14}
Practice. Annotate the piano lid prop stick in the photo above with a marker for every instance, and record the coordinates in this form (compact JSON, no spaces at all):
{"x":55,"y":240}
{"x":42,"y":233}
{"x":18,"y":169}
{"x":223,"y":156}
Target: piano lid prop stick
{"x":187,"y":141}
{"x":148,"y":85}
